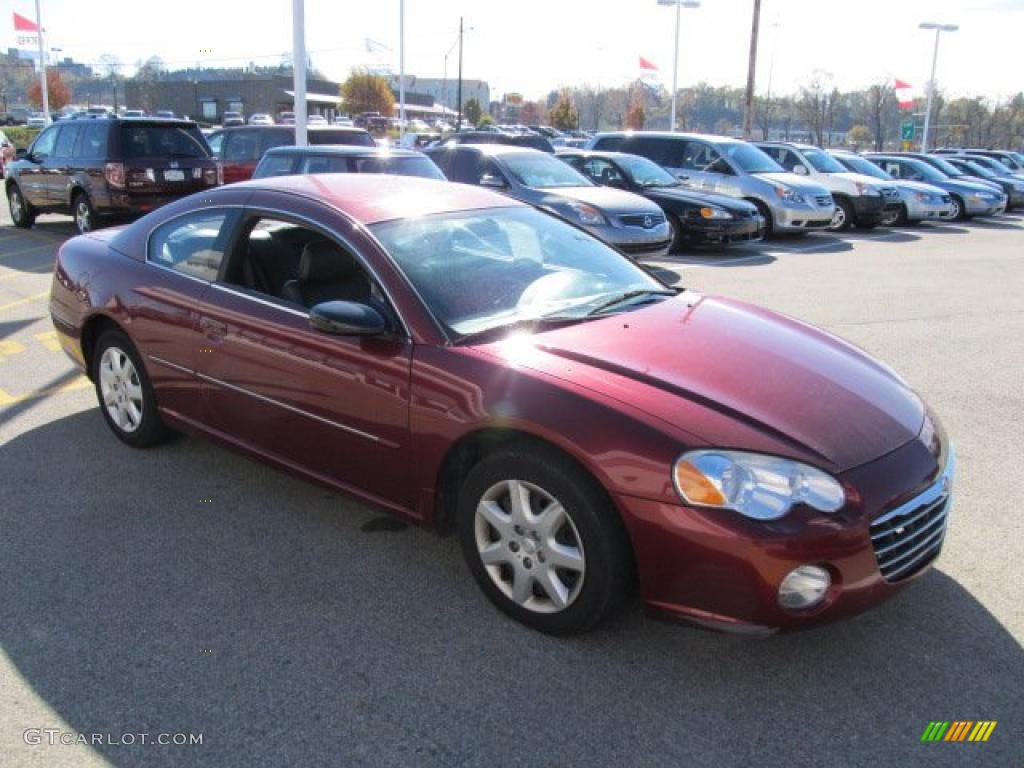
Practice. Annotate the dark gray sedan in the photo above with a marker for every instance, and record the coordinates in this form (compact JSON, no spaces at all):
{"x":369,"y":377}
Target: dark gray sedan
{"x":635,"y":225}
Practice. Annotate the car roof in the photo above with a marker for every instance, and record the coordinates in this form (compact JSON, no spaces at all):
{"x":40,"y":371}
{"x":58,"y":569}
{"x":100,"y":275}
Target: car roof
{"x":290,"y":126}
{"x":495,"y":149}
{"x":671,"y":135}
{"x":343,"y":149}
{"x":370,"y":198}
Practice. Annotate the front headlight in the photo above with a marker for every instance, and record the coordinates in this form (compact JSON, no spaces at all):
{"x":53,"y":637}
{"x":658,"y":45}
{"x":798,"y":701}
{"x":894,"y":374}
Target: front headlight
{"x":757,"y":486}
{"x":789,"y":196}
{"x":867,"y":190}
{"x":587,"y":214}
{"x":714,"y":213}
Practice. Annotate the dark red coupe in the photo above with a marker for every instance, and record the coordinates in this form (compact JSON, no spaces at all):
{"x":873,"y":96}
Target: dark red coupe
{"x":465,"y":361}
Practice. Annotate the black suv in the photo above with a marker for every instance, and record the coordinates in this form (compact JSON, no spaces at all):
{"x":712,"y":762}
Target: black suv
{"x":102,"y":167}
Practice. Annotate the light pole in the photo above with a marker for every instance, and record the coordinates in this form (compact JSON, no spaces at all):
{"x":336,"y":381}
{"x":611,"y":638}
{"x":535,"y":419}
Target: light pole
{"x":939,"y":28}
{"x":299,"y":71}
{"x":42,"y":67}
{"x":455,"y":42}
{"x":401,"y":71}
{"x":675,"y":59}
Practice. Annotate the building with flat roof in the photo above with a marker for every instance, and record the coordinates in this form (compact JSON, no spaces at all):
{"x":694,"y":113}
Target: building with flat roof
{"x":445,"y":90}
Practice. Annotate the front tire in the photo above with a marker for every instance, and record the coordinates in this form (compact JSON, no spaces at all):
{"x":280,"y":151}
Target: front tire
{"x":22,"y":213}
{"x":125,"y":393}
{"x":959,"y":209}
{"x":677,"y":234}
{"x":843,"y":217}
{"x":542,"y":540}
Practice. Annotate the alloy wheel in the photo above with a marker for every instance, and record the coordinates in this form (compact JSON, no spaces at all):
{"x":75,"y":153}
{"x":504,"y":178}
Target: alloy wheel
{"x":529,"y":546}
{"x":121,"y":389}
{"x":83,"y":219}
{"x":838,"y":218}
{"x":956,"y":209}
{"x":17,"y":205}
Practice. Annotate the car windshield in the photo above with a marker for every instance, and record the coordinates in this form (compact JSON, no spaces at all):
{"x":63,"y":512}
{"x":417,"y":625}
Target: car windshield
{"x":750,"y":159}
{"x":866,"y":167}
{"x":483,"y":270}
{"x":979,"y":169}
{"x":943,"y":165}
{"x":823,"y":163}
{"x":995,"y":166}
{"x":930,"y":173}
{"x":399,"y":166}
{"x":178,"y":141}
{"x":542,"y":171}
{"x":644,"y":173}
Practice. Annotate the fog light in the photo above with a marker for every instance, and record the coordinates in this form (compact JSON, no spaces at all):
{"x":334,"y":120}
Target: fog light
{"x":804,"y":587}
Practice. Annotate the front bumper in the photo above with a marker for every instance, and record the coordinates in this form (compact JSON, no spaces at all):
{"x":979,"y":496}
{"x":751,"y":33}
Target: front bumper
{"x":722,"y":570}
{"x":700,"y":230}
{"x":869,"y":210}
{"x":801,"y":218}
{"x":636,"y":241}
{"x":980,"y":207}
{"x":918,"y":210}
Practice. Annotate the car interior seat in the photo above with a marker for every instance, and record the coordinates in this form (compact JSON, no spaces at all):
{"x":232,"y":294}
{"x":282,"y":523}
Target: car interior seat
{"x":326,"y":273}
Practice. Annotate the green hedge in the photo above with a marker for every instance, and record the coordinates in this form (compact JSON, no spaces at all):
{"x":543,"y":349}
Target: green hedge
{"x":20,"y":135}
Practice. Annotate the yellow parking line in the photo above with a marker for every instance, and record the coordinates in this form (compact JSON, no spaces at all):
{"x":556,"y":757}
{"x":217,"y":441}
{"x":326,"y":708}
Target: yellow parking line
{"x":23,"y":251}
{"x":49,"y":340}
{"x":81,"y":382}
{"x":14,"y":274}
{"x":10,"y":347}
{"x":26,"y":300}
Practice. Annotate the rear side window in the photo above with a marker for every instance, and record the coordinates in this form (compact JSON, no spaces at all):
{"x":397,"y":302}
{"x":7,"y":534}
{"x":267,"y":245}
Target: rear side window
{"x":275,"y":165}
{"x":66,"y":141}
{"x":609,"y":143}
{"x":192,"y":244}
{"x":666,"y":152}
{"x":153,"y":140}
{"x":274,"y":137}
{"x":442,"y":158}
{"x":241,"y":147}
{"x":94,"y":140}
{"x":350,"y":138}
{"x":43,"y":146}
{"x":465,"y":167}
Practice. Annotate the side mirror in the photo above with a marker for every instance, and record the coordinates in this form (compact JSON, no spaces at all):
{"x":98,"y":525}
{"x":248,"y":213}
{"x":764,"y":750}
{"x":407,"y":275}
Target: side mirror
{"x":21,"y":153}
{"x":492,"y":181}
{"x":347,"y":318}
{"x":800,"y":170}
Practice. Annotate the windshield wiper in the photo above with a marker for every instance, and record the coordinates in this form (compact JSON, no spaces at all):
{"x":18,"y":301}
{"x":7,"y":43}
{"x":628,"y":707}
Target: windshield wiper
{"x":525,"y":324}
{"x":624,"y":297}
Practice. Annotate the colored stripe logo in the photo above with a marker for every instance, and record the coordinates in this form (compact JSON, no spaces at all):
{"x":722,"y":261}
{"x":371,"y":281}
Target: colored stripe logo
{"x":958,"y":730}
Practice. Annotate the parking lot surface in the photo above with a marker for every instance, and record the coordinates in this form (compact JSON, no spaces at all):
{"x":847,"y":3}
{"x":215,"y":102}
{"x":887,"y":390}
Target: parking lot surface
{"x":189,"y":590}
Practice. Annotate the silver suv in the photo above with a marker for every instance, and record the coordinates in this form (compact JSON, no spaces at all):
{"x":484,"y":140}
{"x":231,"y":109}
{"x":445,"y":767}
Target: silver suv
{"x":731,"y":167}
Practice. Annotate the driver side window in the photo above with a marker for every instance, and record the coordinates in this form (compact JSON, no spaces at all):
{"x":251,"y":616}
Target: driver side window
{"x":43,"y":146}
{"x":602,"y":171}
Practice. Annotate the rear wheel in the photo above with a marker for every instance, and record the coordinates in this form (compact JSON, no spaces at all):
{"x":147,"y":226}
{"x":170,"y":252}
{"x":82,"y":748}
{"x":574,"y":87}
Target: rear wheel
{"x":677,"y":233}
{"x":762,"y":209}
{"x":84,"y":213}
{"x":542,"y":540}
{"x":22,"y":213}
{"x":125,"y":393}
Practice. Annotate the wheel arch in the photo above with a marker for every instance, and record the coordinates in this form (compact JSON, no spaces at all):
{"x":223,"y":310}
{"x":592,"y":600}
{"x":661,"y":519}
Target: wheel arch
{"x":92,"y":329}
{"x":472,"y":447}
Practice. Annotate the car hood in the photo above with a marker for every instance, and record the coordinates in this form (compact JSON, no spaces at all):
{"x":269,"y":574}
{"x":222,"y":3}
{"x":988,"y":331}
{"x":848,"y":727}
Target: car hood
{"x":605,"y":198}
{"x":669,"y":195}
{"x":861,"y":178}
{"x":915,"y":186}
{"x":793,"y":181}
{"x":733,"y":375}
{"x":965,"y":187}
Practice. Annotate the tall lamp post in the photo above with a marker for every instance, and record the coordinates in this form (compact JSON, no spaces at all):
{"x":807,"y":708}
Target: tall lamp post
{"x":675,"y":59}
{"x":42,"y":67}
{"x":939,"y":28}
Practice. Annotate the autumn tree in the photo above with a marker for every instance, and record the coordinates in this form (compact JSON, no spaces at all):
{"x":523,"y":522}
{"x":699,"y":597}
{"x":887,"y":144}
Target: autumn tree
{"x":533,"y":113}
{"x":563,"y":115}
{"x":859,"y":136}
{"x":636,"y":117}
{"x":364,"y":92}
{"x":58,"y":95}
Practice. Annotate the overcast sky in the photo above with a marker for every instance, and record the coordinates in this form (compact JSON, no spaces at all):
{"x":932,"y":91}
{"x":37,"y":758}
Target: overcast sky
{"x":532,"y":46}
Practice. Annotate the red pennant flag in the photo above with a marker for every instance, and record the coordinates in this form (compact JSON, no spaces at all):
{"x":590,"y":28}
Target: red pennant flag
{"x":646,"y":64}
{"x":900,"y":84}
{"x":21,"y":24}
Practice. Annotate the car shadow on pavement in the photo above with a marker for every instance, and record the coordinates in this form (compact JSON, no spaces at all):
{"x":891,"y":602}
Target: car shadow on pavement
{"x":943,"y":228}
{"x":186,"y":589}
{"x":992,"y":224}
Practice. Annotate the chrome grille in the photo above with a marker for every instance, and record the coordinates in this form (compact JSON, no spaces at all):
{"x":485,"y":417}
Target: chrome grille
{"x":825,"y":201}
{"x":645,"y":220}
{"x":908,"y":538}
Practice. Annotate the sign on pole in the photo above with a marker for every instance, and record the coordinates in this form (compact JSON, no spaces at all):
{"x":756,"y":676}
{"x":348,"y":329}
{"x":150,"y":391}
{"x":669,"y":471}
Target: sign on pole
{"x":907,"y":130}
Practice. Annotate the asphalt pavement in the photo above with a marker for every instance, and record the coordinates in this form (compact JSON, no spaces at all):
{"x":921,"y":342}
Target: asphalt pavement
{"x":188,"y":590}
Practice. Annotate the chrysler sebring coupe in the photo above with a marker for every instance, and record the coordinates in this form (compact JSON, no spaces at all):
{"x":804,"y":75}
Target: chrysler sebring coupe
{"x":475,"y":365}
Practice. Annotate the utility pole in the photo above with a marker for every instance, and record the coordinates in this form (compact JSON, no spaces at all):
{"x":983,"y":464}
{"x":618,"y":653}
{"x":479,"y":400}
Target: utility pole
{"x":401,"y":70}
{"x":931,"y":83}
{"x":299,"y":71}
{"x":42,"y":67}
{"x":458,"y":119}
{"x":748,"y":111}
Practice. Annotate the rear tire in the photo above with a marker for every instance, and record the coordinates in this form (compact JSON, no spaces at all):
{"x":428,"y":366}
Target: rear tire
{"x":843,"y":217}
{"x":542,"y":540}
{"x":84,"y":213}
{"x":769,"y":224}
{"x":124,"y":392}
{"x":23,"y":215}
{"x":677,"y":233}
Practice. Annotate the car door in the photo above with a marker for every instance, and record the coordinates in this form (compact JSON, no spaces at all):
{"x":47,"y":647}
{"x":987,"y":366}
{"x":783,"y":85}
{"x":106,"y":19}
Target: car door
{"x":34,"y":180}
{"x":64,"y":163}
{"x":335,"y":407}
{"x":183,"y":256}
{"x":240,"y":152}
